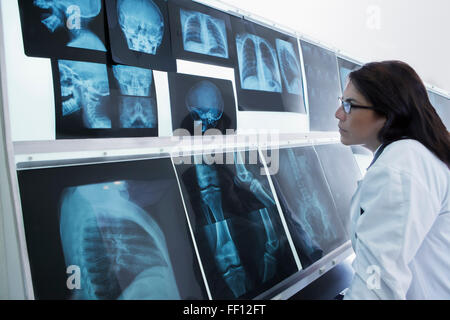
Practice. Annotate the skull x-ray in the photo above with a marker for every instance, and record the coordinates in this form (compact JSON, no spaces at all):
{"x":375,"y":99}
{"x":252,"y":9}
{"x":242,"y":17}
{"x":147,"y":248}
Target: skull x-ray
{"x":290,"y":67}
{"x":203,"y":34}
{"x":62,"y":25}
{"x":109,"y":231}
{"x":323,"y":86}
{"x":139,"y":34}
{"x":258,"y":63}
{"x":345,"y":67}
{"x":308,"y":205}
{"x":201,"y":102}
{"x":84,"y":86}
{"x":137,"y":101}
{"x":237,"y":226}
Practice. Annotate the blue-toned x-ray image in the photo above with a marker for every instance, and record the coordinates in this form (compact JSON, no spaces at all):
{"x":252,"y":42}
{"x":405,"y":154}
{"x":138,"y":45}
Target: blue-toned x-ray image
{"x":118,"y":246}
{"x":258,"y":64}
{"x":205,"y":103}
{"x":290,"y":67}
{"x":142,"y":24}
{"x":203,"y":34}
{"x":137,"y":112}
{"x":74,"y":16}
{"x":133,"y":81}
{"x":83,"y":87}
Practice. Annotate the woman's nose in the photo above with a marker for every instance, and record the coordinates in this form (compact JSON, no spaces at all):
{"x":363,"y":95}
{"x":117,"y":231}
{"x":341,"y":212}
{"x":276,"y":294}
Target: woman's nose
{"x":340,"y":113}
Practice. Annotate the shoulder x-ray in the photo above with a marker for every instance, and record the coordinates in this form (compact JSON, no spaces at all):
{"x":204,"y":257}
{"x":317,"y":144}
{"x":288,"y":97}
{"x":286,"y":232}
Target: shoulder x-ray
{"x":74,"y":15}
{"x":290,"y":67}
{"x":205,"y":103}
{"x":203,"y":34}
{"x":258,"y":64}
{"x":83,"y":85}
{"x":118,"y":246}
{"x":142,"y":24}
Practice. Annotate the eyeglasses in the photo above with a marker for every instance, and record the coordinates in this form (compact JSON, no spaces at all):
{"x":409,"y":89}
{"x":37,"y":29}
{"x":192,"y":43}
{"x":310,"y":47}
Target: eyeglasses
{"x":348,"y":105}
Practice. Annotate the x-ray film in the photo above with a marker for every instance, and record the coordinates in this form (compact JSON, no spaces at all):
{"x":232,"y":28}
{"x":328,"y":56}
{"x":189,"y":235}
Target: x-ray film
{"x":109,"y":231}
{"x":308,"y":205}
{"x":64,"y":29}
{"x":268,"y":74}
{"x":442,"y":106}
{"x":342,"y":173}
{"x":201,"y":33}
{"x":323,"y":86}
{"x":98,"y":100}
{"x":345,"y":67}
{"x":200,"y":104}
{"x":139,"y":33}
{"x":236,"y":223}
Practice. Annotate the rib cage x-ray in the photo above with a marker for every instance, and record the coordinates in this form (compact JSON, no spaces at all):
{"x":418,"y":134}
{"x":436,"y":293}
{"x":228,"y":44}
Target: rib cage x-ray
{"x":74,"y":16}
{"x":205,"y":103}
{"x":83,"y":87}
{"x":258,"y":64}
{"x":142,"y":24}
{"x":203,"y":34}
{"x":237,"y":227}
{"x":290,"y":67}
{"x":119,"y":248}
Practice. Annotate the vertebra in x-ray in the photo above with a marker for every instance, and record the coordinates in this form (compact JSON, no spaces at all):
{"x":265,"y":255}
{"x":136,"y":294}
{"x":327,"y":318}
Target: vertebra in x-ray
{"x":73,"y":15}
{"x":203,"y":34}
{"x":83,"y":85}
{"x":119,"y":247}
{"x":133,"y":81}
{"x":205,"y":103}
{"x":290,"y":67}
{"x":137,"y":112}
{"x":142,"y":24}
{"x":258,"y":64}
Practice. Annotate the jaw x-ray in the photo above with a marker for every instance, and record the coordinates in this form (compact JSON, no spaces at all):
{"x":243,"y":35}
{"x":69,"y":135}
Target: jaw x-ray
{"x":237,"y":226}
{"x":200,"y":103}
{"x":137,"y":100}
{"x":323,"y":86}
{"x":268,"y":77}
{"x":140,"y":34}
{"x":308,"y":205}
{"x":98,"y":100}
{"x":64,"y":29}
{"x":345,"y":68}
{"x":201,"y":33}
{"x":109,"y":231}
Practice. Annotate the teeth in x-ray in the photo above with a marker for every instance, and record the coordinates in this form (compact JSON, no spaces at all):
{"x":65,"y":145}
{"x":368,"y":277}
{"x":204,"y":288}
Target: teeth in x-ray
{"x":290,"y":67}
{"x":137,"y":112}
{"x":119,"y":248}
{"x":133,"y":81}
{"x":203,"y":34}
{"x":258,"y":64}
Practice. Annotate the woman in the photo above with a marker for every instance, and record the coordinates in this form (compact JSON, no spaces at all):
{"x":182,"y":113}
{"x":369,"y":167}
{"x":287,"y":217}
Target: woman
{"x":401,"y":210}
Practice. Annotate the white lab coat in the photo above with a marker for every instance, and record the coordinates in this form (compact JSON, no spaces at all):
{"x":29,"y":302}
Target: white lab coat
{"x":402,"y":240}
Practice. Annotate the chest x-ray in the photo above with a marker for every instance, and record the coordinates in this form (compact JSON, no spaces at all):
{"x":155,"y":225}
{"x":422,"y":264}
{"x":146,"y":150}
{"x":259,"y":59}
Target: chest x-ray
{"x":290,"y":67}
{"x":237,"y":227}
{"x":52,"y":27}
{"x":137,"y":101}
{"x":258,"y":63}
{"x":84,"y":88}
{"x":109,"y":231}
{"x":307,"y":204}
{"x":203,"y":34}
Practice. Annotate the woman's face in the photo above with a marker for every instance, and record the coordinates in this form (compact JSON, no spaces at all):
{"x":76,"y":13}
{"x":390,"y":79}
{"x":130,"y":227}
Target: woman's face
{"x":360,"y":126}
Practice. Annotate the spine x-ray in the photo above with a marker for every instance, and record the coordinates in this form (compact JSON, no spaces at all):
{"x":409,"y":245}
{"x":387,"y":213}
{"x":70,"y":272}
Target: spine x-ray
{"x":84,"y":86}
{"x":290,"y":67}
{"x":237,"y":227}
{"x":258,"y":63}
{"x":137,"y":101}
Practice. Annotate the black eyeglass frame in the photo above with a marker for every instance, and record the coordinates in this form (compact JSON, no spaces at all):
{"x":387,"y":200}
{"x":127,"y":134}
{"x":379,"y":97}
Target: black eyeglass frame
{"x":348,"y":106}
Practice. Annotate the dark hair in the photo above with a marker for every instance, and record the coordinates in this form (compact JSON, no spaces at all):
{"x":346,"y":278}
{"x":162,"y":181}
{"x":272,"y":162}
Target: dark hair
{"x":397,"y":92}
